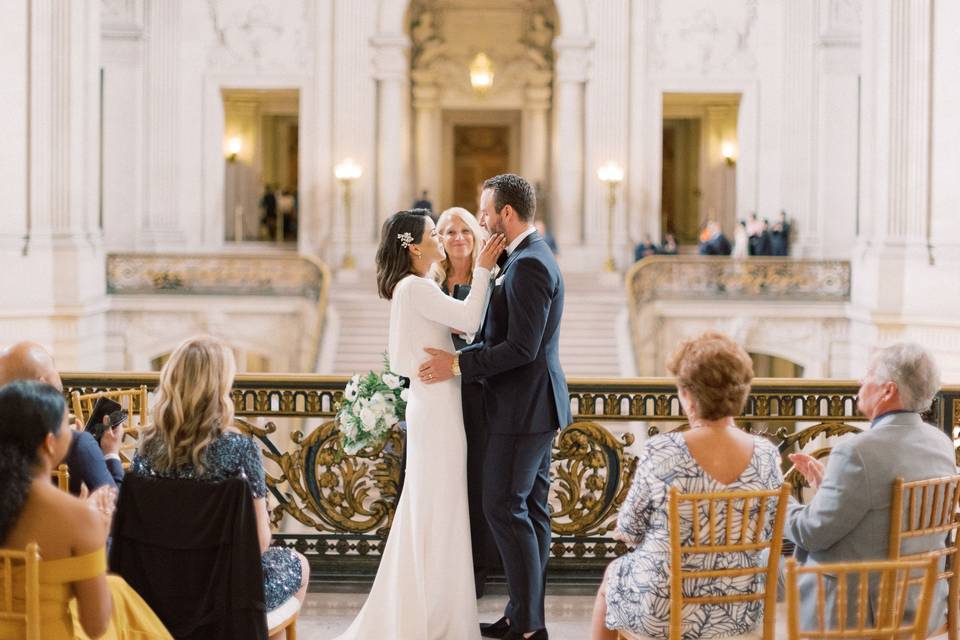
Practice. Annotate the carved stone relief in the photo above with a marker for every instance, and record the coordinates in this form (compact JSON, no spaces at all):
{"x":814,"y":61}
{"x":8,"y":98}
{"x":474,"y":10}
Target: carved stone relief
{"x":840,"y":21}
{"x":259,"y":35}
{"x":518,"y":38}
{"x":704,"y":37}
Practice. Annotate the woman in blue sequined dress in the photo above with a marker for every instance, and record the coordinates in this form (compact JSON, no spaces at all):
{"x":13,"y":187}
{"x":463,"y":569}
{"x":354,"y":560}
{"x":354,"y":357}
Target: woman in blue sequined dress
{"x":191,"y":436}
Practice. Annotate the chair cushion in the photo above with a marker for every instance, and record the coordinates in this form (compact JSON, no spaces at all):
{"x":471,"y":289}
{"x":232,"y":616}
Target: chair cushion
{"x":282,"y":613}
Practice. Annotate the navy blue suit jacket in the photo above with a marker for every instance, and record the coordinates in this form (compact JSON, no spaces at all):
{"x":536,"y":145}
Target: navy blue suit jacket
{"x":87,"y":466}
{"x":518,"y":360}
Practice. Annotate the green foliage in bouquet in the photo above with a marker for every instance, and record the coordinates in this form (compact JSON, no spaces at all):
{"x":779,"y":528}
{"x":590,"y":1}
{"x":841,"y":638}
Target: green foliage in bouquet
{"x":372,"y":405}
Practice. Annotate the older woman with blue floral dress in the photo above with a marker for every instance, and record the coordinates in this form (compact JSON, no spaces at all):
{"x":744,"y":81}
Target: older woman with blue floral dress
{"x":713,"y":380}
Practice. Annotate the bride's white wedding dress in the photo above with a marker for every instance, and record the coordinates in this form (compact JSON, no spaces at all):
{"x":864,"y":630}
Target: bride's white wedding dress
{"x":424,"y":587}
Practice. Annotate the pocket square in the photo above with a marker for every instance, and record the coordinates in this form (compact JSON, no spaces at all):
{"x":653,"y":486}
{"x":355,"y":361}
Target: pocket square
{"x":499,"y":281}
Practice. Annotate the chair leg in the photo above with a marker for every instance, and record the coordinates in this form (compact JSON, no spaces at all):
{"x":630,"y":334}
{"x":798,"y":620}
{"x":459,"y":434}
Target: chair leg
{"x":292,"y":630}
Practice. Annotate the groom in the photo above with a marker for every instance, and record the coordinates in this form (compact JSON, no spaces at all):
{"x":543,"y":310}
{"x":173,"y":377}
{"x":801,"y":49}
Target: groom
{"x":526,"y":399}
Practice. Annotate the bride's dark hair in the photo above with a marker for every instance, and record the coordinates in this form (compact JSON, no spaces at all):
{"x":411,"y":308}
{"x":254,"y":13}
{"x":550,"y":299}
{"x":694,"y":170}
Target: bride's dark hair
{"x":393,"y":259}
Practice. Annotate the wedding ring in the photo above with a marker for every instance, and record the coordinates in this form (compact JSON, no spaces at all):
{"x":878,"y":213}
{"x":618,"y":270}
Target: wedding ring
{"x":429,"y":376}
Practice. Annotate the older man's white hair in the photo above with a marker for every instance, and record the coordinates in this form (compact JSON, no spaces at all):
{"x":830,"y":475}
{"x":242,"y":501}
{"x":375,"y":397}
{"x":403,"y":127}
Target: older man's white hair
{"x":914,"y":371}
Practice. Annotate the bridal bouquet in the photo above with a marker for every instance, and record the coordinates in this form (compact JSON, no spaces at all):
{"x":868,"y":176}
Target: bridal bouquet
{"x":372,"y":405}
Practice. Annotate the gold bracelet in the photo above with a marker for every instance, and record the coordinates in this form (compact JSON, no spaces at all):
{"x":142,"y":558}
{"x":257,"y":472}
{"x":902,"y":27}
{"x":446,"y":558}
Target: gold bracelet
{"x":456,"y":364}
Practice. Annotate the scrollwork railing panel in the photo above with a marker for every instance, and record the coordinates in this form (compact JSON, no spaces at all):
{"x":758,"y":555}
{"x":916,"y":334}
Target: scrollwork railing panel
{"x":344,"y":505}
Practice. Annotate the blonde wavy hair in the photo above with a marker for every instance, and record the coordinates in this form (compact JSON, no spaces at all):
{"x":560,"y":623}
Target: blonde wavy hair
{"x":440,"y":269}
{"x":193,"y":404}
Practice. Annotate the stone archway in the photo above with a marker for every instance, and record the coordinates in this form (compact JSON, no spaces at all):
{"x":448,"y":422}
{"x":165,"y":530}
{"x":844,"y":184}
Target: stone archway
{"x":564,"y":91}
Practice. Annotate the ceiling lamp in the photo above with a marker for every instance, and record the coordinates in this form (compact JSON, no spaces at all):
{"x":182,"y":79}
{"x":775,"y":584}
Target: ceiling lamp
{"x":481,"y":73}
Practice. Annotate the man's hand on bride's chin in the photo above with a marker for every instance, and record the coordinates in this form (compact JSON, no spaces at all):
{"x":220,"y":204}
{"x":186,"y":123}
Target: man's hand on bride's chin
{"x":438,"y":368}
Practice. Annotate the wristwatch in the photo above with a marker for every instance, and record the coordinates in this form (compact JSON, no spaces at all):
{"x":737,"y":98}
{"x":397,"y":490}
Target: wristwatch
{"x":456,"y":364}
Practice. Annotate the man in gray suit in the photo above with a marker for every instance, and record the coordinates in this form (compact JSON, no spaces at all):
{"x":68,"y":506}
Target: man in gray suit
{"x":848,"y":519}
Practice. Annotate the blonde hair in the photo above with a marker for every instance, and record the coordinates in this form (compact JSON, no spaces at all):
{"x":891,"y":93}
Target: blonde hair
{"x":440,"y":269}
{"x":193,"y":403}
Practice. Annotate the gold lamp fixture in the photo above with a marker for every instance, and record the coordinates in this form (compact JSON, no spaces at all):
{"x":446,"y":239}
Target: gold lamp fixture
{"x":729,"y":152}
{"x":234,"y":147}
{"x":346,"y":172}
{"x":481,"y":73}
{"x":612,"y":174}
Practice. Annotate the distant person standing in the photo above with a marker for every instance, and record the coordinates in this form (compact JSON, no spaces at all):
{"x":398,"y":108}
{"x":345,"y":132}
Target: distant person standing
{"x":644,"y":249}
{"x":424,"y":203}
{"x":669,"y":245}
{"x":754,"y":228}
{"x":780,"y":235}
{"x":741,"y":243}
{"x":542,"y":230}
{"x":716,"y":243}
{"x":268,"y":205}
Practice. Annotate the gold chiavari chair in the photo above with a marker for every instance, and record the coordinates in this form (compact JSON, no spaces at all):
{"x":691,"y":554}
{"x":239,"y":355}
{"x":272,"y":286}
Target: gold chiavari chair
{"x":29,"y":618}
{"x":737,"y":532}
{"x":896,"y":581}
{"x":135,"y":401}
{"x":62,"y":475}
{"x":929,"y":508}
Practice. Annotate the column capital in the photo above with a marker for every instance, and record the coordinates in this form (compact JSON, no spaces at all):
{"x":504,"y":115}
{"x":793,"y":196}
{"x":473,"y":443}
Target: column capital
{"x":536,"y":98}
{"x":573,"y":58}
{"x":390,"y":56}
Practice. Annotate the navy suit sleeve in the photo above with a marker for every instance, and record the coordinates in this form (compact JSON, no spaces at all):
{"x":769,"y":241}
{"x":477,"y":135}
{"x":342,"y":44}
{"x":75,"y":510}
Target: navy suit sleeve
{"x":86,"y":464}
{"x":115,"y":467}
{"x":529,"y":295}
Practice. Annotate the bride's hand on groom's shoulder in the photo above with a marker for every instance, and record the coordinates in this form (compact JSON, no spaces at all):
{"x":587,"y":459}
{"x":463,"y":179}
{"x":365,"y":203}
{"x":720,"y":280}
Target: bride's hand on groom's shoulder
{"x":491,"y":250}
{"x":438,"y":368}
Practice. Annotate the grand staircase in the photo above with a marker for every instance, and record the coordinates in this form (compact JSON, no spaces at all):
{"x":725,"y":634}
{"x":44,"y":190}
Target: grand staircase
{"x":593,"y":337}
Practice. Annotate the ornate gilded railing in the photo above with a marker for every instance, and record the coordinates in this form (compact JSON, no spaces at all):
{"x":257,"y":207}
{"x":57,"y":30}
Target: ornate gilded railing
{"x":232,"y":274}
{"x":344,"y":504}
{"x":721,"y":277}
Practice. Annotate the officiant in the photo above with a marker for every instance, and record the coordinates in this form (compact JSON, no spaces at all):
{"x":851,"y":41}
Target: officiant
{"x":461,"y":237}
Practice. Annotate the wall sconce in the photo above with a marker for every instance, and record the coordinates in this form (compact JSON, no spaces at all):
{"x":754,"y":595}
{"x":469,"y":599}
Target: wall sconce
{"x":729,"y":152}
{"x":346,"y":172}
{"x":234,"y":146}
{"x":481,"y":73}
{"x":612,"y":174}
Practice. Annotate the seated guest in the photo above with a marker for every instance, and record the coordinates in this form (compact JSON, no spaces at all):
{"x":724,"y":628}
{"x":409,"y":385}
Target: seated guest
{"x":71,"y":533}
{"x":192,"y":436}
{"x":848,"y":519}
{"x":90,"y":464}
{"x":713,"y":380}
{"x":716,"y":244}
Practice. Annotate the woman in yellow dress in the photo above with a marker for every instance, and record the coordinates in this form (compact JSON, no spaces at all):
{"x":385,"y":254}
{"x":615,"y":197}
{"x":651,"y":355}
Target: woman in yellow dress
{"x":77,"y":599}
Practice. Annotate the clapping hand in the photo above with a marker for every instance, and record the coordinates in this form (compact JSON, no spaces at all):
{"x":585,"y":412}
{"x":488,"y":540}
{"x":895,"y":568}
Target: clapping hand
{"x":491,"y":250}
{"x":103,"y":502}
{"x":809,"y":467}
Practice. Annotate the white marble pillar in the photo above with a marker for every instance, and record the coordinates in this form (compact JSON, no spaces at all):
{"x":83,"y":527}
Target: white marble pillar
{"x":568,"y":159}
{"x":429,"y":132}
{"x":162,"y":225}
{"x":535,"y":144}
{"x":391,"y":70}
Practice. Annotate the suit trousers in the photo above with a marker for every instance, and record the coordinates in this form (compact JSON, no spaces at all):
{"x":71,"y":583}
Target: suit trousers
{"x":516,"y":488}
{"x":486,"y":560}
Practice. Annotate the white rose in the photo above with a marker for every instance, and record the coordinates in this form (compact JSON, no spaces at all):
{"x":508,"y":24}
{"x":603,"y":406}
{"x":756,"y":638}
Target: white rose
{"x":391,"y":380}
{"x":351,"y":390}
{"x":368,"y":418}
{"x":405,"y":394}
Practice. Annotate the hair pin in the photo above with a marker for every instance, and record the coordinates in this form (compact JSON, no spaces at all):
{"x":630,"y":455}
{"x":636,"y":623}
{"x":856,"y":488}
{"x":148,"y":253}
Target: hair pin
{"x":406,"y":239}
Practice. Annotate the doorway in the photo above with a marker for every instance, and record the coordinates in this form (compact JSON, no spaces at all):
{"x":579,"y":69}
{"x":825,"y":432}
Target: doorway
{"x":262,"y":165}
{"x":479,"y":152}
{"x":699,"y":158}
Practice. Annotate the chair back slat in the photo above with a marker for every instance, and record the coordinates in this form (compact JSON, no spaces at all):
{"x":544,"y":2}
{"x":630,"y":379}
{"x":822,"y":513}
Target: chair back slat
{"x":936,"y":517}
{"x":740,"y":528}
{"x":29,"y":559}
{"x":895,"y":578}
{"x":135,"y":401}
{"x":62,"y":475}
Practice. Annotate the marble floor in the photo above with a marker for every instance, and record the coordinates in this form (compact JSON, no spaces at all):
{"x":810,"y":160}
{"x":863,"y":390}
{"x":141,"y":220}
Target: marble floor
{"x":325,"y":615}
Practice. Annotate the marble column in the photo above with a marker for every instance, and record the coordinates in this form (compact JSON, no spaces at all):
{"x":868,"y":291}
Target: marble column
{"x":162,"y":224}
{"x":429,"y":133}
{"x":53,"y":280}
{"x":391,"y":70}
{"x":568,"y":160}
{"x":535,"y":144}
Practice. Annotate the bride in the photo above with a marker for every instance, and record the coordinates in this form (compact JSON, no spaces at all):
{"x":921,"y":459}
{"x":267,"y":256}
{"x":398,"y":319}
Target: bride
{"x":424,"y":587}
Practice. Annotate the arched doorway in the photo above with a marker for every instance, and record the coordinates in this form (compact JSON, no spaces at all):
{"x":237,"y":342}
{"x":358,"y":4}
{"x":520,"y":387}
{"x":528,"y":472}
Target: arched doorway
{"x":481,"y":86}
